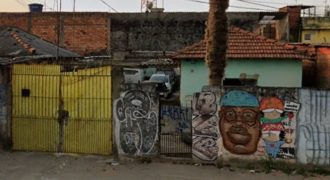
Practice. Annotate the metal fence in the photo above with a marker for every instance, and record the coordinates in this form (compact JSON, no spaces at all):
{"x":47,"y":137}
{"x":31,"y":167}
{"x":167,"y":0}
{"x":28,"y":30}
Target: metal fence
{"x":175,"y":131}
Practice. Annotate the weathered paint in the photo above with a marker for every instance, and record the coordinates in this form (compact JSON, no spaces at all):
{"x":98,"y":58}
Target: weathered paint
{"x":314,"y":127}
{"x":87,"y":97}
{"x":34,"y":117}
{"x":318,"y":28}
{"x":5,"y":103}
{"x":205,"y":126}
{"x":136,"y":128}
{"x":323,"y":66}
{"x":272,"y":73}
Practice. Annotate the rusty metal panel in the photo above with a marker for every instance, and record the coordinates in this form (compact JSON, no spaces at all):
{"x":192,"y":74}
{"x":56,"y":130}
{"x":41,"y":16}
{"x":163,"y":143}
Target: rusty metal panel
{"x":34,"y":109}
{"x":86,"y":95}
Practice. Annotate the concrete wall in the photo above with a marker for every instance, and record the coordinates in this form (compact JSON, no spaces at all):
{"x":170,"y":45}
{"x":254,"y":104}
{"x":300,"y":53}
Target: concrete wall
{"x":318,"y":28}
{"x":172,"y":31}
{"x":272,"y":73}
{"x":313,"y":145}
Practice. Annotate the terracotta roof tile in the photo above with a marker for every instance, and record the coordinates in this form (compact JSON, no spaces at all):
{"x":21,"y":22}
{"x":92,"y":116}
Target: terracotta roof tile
{"x":246,"y":45}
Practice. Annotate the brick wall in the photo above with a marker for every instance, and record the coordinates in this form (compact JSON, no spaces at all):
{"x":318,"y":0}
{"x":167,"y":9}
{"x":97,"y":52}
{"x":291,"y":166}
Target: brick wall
{"x":84,"y":33}
{"x":294,"y":21}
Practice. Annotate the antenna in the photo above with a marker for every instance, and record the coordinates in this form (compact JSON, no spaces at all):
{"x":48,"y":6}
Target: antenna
{"x":74,"y":5}
{"x":326,"y":8}
{"x":147,"y":5}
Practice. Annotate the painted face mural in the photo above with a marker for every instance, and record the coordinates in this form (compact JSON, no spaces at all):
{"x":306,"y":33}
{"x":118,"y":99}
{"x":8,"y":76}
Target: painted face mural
{"x":239,"y":122}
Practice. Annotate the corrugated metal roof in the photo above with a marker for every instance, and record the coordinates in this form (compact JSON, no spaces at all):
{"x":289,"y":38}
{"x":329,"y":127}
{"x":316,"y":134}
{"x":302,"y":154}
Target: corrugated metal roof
{"x":15,"y":42}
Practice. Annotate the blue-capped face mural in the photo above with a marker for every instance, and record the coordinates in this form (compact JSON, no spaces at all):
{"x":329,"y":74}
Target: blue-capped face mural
{"x":239,"y":122}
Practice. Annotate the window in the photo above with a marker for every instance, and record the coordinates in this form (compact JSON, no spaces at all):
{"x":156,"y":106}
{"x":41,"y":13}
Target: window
{"x":308,"y":37}
{"x":131,"y":72}
{"x":269,"y":31}
{"x":239,"y":82}
{"x":243,"y":80}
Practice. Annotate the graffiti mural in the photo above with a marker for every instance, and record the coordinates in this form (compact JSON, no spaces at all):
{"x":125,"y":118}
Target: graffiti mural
{"x":176,"y":118}
{"x":313,"y":144}
{"x":136,"y":115}
{"x":205,"y":126}
{"x":239,"y":122}
{"x":261,"y":123}
{"x":278,"y":126}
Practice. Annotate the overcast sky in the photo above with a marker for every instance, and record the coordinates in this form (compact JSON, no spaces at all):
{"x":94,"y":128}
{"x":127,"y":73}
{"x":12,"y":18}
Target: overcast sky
{"x":169,"y":5}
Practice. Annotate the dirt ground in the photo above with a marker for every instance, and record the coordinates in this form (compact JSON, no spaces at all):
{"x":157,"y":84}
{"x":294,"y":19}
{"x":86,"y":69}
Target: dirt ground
{"x":47,"y":166}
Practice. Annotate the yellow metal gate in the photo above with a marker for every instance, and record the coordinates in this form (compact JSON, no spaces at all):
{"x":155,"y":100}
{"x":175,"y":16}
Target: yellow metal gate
{"x":61,"y":111}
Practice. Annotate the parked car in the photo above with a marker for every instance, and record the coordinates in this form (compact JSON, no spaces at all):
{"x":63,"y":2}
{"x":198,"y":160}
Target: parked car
{"x":137,"y":75}
{"x":165,"y":80}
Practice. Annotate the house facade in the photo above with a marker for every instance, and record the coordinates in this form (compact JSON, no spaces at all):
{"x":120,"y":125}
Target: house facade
{"x":250,"y":58}
{"x":315,"y":30}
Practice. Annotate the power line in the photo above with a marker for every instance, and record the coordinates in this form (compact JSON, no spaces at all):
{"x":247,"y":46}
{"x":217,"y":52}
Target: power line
{"x":21,"y":3}
{"x":258,"y":4}
{"x":269,"y":2}
{"x":107,"y":4}
{"x":316,"y":5}
{"x":248,"y":8}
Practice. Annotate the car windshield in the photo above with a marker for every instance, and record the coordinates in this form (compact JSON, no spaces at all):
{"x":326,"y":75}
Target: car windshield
{"x":130,"y":72}
{"x":159,"y":78}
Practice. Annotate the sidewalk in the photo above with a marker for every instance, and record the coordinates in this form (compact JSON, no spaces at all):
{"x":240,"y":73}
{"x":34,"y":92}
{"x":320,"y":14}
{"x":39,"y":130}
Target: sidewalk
{"x":44,"y":166}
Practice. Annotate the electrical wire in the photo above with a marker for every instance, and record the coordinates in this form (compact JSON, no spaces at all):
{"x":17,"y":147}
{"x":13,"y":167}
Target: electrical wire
{"x":258,"y":4}
{"x":248,"y":8}
{"x":108,"y":5}
{"x":316,"y":5}
{"x":21,"y":3}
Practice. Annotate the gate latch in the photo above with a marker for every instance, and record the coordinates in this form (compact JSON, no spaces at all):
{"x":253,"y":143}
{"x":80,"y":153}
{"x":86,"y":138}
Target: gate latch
{"x":63,"y":117}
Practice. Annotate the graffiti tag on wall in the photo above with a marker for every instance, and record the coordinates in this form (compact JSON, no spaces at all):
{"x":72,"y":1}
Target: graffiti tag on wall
{"x":136,"y":115}
{"x":314,"y":127}
{"x":178,"y":119}
{"x":205,"y":126}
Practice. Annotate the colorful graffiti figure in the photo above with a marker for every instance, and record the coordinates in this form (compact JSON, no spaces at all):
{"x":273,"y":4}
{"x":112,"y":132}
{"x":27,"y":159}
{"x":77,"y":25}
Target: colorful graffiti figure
{"x":239,"y":122}
{"x":274,"y":123}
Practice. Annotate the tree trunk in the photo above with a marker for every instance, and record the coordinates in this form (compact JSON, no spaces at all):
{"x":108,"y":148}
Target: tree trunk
{"x":216,"y":41}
